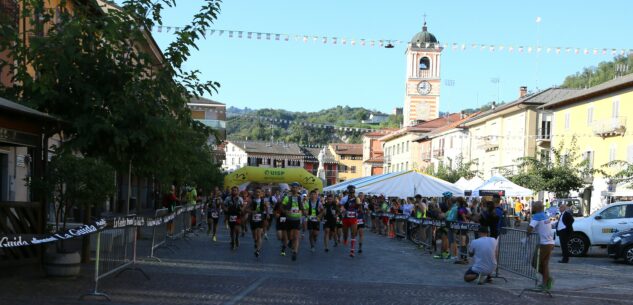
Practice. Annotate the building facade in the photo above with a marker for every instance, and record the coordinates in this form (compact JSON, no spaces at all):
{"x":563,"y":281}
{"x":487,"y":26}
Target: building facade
{"x":422,"y":86}
{"x":261,"y":154}
{"x":598,"y":118}
{"x":502,"y":135}
{"x":330,"y":165}
{"x":349,"y":158}
{"x":211,"y":114}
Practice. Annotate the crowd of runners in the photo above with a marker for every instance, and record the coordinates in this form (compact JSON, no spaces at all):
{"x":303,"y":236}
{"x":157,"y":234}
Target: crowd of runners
{"x":295,"y":214}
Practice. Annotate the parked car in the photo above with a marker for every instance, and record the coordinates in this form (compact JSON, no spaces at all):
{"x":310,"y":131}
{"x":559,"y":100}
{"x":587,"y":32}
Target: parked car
{"x":599,"y":227}
{"x":621,"y":246}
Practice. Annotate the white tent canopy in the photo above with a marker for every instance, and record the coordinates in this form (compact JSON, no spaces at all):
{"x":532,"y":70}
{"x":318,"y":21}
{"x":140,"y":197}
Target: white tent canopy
{"x":500,"y":183}
{"x":401,"y":184}
{"x":469,"y":185}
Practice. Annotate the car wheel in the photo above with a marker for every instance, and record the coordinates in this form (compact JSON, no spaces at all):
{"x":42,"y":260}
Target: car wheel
{"x":578,"y":245}
{"x":628,"y":255}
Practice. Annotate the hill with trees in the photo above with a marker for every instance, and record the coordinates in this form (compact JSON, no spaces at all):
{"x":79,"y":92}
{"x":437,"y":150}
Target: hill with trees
{"x":299,"y":127}
{"x":605,"y":71}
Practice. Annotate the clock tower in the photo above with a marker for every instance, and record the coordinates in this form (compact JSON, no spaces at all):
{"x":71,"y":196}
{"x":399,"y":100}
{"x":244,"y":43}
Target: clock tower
{"x":422,"y":90}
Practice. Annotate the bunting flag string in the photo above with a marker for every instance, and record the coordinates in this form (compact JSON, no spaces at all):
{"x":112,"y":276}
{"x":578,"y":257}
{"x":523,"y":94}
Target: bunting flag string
{"x":389,"y":43}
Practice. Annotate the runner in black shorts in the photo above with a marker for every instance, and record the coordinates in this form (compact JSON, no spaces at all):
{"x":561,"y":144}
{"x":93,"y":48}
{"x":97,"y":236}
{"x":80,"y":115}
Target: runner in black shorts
{"x":329,"y":212}
{"x":361,"y":221}
{"x":233,"y":206}
{"x":257,"y":210}
{"x":313,"y":208}
{"x":292,"y":208}
{"x":213,"y":213}
{"x":281,"y":225}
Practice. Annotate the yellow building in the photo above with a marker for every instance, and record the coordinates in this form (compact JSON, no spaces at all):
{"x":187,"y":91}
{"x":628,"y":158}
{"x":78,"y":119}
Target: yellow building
{"x":349,"y":158}
{"x":598,"y":118}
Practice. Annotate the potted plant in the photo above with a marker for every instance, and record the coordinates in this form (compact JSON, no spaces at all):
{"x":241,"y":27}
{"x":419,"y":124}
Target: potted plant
{"x":74,"y":184}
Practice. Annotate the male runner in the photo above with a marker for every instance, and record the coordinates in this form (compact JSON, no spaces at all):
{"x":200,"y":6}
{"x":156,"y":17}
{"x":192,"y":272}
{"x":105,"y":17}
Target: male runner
{"x":314,"y":209}
{"x":281,"y":223}
{"x":270,"y":201}
{"x":213,"y":213}
{"x":351,"y":207}
{"x":329,"y":213}
{"x":292,"y":208}
{"x":233,"y":206}
{"x":257,"y":210}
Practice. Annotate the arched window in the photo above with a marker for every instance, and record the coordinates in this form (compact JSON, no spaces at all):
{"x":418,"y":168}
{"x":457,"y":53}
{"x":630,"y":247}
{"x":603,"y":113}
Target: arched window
{"x":425,"y":63}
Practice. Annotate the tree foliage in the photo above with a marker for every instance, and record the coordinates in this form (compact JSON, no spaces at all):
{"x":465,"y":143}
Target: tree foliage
{"x":453,"y":171}
{"x":560,"y":171}
{"x":121,"y":102}
{"x":241,"y":126}
{"x":605,"y":71}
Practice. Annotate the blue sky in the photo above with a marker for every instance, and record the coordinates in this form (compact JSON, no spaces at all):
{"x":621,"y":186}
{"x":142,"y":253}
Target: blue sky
{"x":311,"y":76}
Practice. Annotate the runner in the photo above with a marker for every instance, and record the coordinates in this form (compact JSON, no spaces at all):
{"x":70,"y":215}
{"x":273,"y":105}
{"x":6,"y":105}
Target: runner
{"x":281,"y":226}
{"x":314,"y":208}
{"x":257,"y":209}
{"x":361,"y":221}
{"x":270,"y":202}
{"x":233,"y":206}
{"x":293,"y":210}
{"x":384,"y":208}
{"x":213,"y":213}
{"x":329,"y":214}
{"x":246,"y":199}
{"x":351,"y":208}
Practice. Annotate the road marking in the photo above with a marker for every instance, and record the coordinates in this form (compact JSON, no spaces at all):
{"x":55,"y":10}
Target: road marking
{"x":246,"y":291}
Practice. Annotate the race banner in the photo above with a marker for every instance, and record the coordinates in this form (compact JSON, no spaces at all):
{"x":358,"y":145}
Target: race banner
{"x":24,"y":240}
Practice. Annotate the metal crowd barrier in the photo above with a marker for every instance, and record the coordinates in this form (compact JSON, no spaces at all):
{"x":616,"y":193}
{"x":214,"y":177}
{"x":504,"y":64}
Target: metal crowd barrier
{"x":519,"y":253}
{"x":401,"y":225}
{"x":115,"y":251}
{"x":159,"y":235}
{"x":422,"y":233}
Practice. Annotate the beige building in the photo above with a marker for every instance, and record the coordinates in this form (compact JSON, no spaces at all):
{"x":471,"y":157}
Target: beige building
{"x":349,"y":158}
{"x":373,"y":154}
{"x":402,"y":148}
{"x":500,"y":136}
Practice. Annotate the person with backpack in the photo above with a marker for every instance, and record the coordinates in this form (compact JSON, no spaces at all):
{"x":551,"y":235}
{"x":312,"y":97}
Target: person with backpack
{"x":329,"y":213}
{"x":233,"y":206}
{"x":292,"y":209}
{"x":257,"y":210}
{"x":351,"y":206}
{"x":314,"y":208}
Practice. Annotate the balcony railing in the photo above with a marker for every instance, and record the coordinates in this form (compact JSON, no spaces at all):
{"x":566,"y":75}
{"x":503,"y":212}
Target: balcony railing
{"x":437,"y":153}
{"x":543,"y":135}
{"x":489,"y":143}
{"x":609,"y":127}
{"x":214,"y":123}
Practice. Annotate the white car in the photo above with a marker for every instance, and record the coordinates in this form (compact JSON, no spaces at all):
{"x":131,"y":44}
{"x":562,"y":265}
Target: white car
{"x":597,"y":228}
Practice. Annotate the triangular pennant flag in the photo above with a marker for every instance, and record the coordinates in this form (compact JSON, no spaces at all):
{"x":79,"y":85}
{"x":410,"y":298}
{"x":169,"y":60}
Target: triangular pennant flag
{"x":334,"y":40}
{"x":211,"y":32}
{"x":380,"y":43}
{"x":305,"y":38}
{"x":353,"y":42}
{"x":239,"y":34}
{"x":230,"y":34}
{"x":277,"y":36}
{"x":259,"y":36}
{"x":362,"y":42}
{"x":160,"y":28}
{"x":221,"y":32}
{"x":324,"y":39}
{"x":267,"y":36}
{"x":371,"y":43}
{"x":315,"y":38}
{"x":286,"y":37}
{"x":249,"y":35}
{"x":343,"y":41}
{"x":168,"y":29}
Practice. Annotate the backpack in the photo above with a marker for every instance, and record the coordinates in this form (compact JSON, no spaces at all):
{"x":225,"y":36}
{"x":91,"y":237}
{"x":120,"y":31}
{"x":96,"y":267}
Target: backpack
{"x":452,"y":214}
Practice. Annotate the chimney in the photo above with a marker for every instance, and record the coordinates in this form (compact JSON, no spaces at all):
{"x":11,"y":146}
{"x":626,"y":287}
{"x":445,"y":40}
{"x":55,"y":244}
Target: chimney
{"x":522,"y":91}
{"x":494,"y":105}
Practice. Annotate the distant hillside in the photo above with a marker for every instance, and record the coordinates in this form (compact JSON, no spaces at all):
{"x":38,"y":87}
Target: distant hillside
{"x":605,"y":71}
{"x":267,"y":124}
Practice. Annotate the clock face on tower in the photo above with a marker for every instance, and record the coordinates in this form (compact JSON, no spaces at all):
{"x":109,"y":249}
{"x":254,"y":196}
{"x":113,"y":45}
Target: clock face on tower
{"x":424,"y":87}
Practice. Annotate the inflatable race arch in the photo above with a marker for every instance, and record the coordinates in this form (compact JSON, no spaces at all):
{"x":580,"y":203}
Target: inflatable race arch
{"x":273,"y":175}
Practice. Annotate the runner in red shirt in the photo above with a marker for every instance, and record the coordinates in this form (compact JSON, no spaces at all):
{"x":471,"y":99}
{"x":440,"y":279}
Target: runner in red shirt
{"x":351,"y":206}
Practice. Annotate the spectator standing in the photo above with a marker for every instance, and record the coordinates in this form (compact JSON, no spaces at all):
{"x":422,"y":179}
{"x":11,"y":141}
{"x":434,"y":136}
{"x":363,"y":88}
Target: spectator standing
{"x":564,"y":229}
{"x":490,"y":219}
{"x":542,"y":225}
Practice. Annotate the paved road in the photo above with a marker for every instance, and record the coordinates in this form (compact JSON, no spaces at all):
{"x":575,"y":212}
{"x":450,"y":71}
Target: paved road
{"x":388,"y":272}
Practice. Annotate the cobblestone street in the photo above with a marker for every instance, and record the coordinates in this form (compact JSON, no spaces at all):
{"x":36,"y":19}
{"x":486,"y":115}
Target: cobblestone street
{"x":388,"y":272}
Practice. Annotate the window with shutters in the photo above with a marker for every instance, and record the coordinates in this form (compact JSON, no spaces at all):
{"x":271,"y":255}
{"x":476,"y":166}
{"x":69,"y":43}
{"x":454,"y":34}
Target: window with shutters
{"x":589,"y":115}
{"x":567,"y":120}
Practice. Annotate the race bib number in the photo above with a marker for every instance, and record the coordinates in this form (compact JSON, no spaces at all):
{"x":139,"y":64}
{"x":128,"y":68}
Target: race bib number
{"x":351,"y":214}
{"x":232,"y":218}
{"x":294,"y":211}
{"x":361,"y":221}
{"x":313,"y":218}
{"x":257,"y":217}
{"x":214,"y":214}
{"x":282,"y":219}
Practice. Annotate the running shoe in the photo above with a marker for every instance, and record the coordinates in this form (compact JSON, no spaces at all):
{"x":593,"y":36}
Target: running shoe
{"x":351,"y":254}
{"x":327,"y":250}
{"x":312,"y":249}
{"x":294,"y":256}
{"x":215,"y":238}
{"x":360,"y":251}
{"x":265,"y":236}
{"x":256,"y":253}
{"x":550,"y":283}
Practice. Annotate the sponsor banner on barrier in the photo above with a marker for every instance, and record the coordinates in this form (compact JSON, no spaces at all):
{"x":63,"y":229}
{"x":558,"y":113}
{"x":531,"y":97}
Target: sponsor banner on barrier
{"x":400,"y":217}
{"x":23,"y":240}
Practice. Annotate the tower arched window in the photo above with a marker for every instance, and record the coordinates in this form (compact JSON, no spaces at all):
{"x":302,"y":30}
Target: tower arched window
{"x":425,"y":63}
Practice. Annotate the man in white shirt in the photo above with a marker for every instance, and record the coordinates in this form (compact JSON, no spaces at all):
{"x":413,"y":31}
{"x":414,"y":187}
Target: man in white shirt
{"x":484,"y":252}
{"x":542,"y":225}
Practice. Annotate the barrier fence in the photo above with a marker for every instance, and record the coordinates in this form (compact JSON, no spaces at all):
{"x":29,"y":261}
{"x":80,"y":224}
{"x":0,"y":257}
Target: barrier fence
{"x":518,"y":251}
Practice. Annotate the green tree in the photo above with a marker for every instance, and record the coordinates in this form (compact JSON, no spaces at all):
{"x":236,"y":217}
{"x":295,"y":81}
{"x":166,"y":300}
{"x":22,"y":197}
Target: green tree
{"x":563,"y":170}
{"x":121,"y":103}
{"x":452,"y":172}
{"x":605,"y":71}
